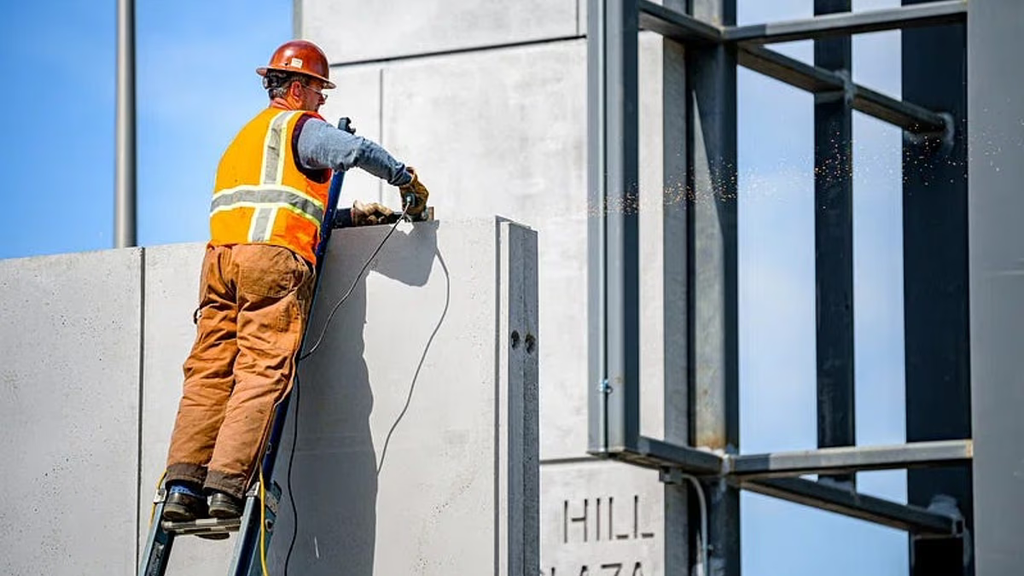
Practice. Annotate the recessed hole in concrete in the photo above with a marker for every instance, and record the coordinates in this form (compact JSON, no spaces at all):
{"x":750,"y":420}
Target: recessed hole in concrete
{"x":515,"y":339}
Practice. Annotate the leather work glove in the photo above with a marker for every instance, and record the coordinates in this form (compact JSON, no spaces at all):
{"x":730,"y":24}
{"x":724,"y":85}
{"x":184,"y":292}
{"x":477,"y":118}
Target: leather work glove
{"x":369,"y":214}
{"x":416,"y":188}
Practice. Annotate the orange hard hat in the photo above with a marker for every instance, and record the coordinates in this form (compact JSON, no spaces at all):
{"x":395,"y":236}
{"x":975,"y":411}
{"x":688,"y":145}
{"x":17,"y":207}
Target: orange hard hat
{"x":301,"y":57}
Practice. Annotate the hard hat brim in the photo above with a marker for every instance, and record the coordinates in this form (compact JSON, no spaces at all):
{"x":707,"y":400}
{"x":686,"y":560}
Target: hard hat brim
{"x":262,"y":71}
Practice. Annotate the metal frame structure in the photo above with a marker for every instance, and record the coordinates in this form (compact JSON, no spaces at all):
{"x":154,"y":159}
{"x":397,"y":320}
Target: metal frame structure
{"x":715,"y":47}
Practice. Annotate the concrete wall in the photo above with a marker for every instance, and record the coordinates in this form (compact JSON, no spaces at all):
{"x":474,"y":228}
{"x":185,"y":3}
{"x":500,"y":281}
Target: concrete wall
{"x":417,"y":420}
{"x":488,"y":101}
{"x":412,"y":423}
{"x":995,"y":37}
{"x":69,"y":407}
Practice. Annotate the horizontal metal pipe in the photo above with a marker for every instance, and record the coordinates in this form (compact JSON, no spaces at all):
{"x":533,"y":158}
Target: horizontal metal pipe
{"x":929,"y":14}
{"x":851,"y":458}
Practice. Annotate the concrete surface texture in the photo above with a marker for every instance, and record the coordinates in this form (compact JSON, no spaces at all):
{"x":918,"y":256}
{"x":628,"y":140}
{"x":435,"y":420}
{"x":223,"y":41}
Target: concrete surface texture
{"x":488,"y":101}
{"x":352,"y":31}
{"x":406,"y":422}
{"x":995,"y":33}
{"x":69,"y":403}
{"x":416,"y":446}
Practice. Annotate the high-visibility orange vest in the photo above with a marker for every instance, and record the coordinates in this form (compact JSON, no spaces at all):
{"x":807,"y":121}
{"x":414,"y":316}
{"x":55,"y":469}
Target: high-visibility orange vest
{"x":262,"y":195}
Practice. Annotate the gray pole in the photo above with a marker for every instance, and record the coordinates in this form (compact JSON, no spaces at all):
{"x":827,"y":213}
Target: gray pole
{"x":124,"y":180}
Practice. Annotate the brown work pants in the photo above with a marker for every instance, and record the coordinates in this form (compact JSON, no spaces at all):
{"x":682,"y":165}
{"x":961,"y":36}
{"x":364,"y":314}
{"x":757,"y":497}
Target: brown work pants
{"x":253,"y":304}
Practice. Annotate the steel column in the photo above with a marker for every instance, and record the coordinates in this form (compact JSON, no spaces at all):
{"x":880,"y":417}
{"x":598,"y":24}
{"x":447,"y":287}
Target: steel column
{"x":714,"y":362}
{"x":935,"y":301}
{"x":833,"y":244}
{"x":613,"y":194}
{"x":679,"y":557}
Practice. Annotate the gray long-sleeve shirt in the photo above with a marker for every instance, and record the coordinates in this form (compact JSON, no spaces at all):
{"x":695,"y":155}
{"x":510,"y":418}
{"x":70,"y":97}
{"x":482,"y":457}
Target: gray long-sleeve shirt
{"x":322,"y":146}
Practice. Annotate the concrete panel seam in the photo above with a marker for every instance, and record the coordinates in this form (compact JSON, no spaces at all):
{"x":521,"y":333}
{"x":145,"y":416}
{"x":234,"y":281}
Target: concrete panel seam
{"x":141,"y":390}
{"x":457,"y":51}
{"x":500,"y":293}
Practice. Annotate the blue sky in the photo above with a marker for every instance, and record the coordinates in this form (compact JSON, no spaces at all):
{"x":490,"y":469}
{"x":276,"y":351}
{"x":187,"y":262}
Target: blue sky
{"x":777,"y":317}
{"x":196,"y":87}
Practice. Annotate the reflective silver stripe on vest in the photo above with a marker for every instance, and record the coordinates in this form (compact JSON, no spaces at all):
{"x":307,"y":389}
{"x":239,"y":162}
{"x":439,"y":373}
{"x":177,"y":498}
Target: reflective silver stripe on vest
{"x":262,"y":226}
{"x":267,"y":199}
{"x":273,"y":149}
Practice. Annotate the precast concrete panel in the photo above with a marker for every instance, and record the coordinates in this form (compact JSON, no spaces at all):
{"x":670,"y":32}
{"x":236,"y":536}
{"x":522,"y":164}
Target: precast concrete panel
{"x":171,"y":297}
{"x":69,"y":403}
{"x":413,"y":451}
{"x":601,"y":517}
{"x":351,"y":31}
{"x":504,"y":131}
{"x":358,"y":97}
{"x":995,"y":39}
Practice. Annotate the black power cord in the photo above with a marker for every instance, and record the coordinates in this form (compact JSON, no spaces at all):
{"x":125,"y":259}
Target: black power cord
{"x":307,"y":354}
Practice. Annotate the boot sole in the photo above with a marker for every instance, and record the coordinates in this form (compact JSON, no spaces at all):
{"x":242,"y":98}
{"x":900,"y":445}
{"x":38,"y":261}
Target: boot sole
{"x":177,"y":513}
{"x":225,"y":513}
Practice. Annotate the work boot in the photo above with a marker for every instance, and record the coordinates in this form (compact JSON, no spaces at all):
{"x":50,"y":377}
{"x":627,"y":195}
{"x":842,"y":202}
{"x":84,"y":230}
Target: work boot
{"x":225,"y":505}
{"x":183,"y":507}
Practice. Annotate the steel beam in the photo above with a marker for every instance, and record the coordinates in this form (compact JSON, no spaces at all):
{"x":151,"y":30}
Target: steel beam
{"x":673,"y":24}
{"x":613,"y":235}
{"x":849,"y":503}
{"x":656,"y":454}
{"x":851,"y":459}
{"x":931,"y":14}
{"x":910,"y":117}
{"x":791,"y":71}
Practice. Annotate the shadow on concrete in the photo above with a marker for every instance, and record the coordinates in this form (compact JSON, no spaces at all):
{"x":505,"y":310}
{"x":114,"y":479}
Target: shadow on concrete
{"x":334,"y":466}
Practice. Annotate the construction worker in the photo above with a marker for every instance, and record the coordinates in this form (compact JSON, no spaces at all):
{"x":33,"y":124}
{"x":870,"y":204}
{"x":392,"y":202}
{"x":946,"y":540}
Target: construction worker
{"x":257,"y":279}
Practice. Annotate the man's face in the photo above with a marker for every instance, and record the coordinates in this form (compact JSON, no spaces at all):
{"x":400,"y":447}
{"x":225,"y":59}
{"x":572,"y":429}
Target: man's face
{"x":312,"y":96}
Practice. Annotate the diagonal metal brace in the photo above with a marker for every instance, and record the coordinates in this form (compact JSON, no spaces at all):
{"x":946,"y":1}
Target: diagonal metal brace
{"x":910,"y":117}
{"x":913,"y":519}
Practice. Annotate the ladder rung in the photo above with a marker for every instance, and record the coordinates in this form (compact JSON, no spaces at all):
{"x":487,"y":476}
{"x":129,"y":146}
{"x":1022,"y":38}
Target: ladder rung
{"x":202,"y":526}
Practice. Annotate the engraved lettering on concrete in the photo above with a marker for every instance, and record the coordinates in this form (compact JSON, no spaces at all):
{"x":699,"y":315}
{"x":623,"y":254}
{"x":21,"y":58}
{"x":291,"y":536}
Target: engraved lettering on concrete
{"x":599,"y":521}
{"x":605,"y":569}
{"x":614,"y":532}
